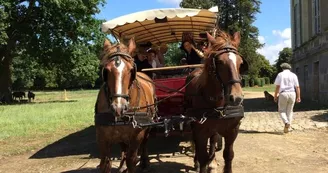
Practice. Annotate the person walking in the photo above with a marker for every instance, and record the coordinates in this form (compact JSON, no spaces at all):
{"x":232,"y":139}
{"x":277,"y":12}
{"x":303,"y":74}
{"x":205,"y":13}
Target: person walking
{"x":287,"y":86}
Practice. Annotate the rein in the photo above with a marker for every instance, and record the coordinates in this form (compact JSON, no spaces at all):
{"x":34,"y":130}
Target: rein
{"x":171,"y":95}
{"x":132,"y":117}
{"x":200,"y":115}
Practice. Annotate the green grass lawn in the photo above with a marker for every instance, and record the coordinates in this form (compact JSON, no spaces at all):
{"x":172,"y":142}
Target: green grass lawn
{"x":42,"y":121}
{"x":24,"y":127}
{"x":269,"y":88}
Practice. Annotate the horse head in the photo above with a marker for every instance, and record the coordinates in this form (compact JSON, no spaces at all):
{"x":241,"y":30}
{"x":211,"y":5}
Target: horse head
{"x":119,"y":72}
{"x":225,"y":64}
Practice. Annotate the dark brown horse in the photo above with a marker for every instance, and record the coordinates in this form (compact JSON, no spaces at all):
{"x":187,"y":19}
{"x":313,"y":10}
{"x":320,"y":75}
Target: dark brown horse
{"x":125,"y":101}
{"x":214,"y":98}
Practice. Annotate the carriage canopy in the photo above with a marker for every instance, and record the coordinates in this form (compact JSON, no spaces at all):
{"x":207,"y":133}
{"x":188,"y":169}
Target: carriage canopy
{"x":161,"y":25}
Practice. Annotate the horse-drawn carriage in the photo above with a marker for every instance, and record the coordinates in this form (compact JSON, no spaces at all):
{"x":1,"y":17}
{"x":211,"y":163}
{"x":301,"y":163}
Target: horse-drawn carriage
{"x":130,"y":103}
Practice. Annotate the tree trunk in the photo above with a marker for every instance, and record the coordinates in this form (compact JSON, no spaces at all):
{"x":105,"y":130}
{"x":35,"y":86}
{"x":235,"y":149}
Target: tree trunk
{"x":5,"y":77}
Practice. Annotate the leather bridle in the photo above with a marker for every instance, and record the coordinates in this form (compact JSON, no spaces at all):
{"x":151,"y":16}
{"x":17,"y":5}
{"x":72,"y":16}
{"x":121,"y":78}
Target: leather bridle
{"x":115,"y":56}
{"x":213,"y":69}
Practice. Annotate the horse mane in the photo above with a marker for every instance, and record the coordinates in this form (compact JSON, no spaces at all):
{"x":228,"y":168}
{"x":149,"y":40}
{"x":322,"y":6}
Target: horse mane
{"x":221,"y":40}
{"x":104,"y":59}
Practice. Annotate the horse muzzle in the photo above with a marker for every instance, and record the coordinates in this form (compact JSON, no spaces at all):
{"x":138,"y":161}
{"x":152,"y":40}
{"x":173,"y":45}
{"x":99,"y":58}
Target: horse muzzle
{"x":235,"y":100}
{"x":119,"y":109}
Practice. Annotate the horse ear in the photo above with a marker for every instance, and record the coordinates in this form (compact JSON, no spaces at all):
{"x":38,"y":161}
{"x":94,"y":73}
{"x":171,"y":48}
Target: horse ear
{"x":107,"y":44}
{"x":132,"y":45}
{"x":210,"y":38}
{"x":236,"y":37}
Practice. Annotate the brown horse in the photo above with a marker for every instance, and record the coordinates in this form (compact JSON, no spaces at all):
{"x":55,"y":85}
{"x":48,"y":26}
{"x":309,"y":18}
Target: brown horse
{"x":125,"y":101}
{"x":214,"y":98}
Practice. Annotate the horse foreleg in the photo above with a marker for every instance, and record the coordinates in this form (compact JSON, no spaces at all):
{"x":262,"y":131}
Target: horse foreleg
{"x":214,"y":140}
{"x":144,"y":160}
{"x":219,"y":142}
{"x":228,"y":153}
{"x":201,"y":153}
{"x":105,"y":160}
{"x":131,"y":159}
{"x":193,"y":148}
{"x":132,"y":153}
{"x":123,"y":166}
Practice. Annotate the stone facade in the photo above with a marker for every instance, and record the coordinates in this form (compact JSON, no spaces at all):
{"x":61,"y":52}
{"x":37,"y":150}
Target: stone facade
{"x":310,"y":48}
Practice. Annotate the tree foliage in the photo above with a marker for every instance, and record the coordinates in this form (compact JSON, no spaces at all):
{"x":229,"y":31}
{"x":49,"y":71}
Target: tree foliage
{"x":237,"y":15}
{"x":285,"y":55}
{"x":3,"y":24}
{"x":266,"y":70}
{"x":60,"y":38}
{"x":203,"y":4}
{"x":173,"y":54}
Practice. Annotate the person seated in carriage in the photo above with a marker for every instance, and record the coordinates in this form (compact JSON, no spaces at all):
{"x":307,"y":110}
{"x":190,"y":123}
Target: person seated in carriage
{"x":141,"y":60}
{"x":153,"y":58}
{"x":161,"y":51}
{"x":193,"y":55}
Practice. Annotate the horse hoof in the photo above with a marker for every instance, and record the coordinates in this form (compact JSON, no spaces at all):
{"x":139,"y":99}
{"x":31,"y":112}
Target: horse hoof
{"x":196,"y":167}
{"x":212,"y":170}
{"x":144,"y":164}
{"x":146,"y":170}
{"x":123,"y":169}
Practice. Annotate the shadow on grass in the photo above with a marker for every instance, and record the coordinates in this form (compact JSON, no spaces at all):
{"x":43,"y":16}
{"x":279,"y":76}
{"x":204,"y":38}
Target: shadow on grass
{"x":321,"y":117}
{"x":55,"y":101}
{"x":161,"y":167}
{"x":32,"y":103}
{"x":81,"y":142}
{"x":260,"y":104}
{"x":84,"y":142}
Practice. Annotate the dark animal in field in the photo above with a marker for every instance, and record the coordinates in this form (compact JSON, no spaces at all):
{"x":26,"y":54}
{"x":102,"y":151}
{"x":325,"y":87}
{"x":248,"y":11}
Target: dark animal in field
{"x":268,"y":96}
{"x":30,"y":95}
{"x":18,"y":95}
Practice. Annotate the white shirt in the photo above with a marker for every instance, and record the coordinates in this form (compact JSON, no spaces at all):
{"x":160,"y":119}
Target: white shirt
{"x":287,"y":81}
{"x":153,"y":64}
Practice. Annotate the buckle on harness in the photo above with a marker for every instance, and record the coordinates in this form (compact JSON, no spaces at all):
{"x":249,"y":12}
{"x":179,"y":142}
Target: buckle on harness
{"x":203,"y":119}
{"x":134,"y":122}
{"x":221,"y":112}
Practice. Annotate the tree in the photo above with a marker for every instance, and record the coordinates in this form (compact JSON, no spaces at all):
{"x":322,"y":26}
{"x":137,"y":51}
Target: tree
{"x":45,"y":30}
{"x":174,"y":54}
{"x":285,"y":55}
{"x":3,"y":25}
{"x":204,"y":4}
{"x":266,"y":70}
{"x":237,"y":15}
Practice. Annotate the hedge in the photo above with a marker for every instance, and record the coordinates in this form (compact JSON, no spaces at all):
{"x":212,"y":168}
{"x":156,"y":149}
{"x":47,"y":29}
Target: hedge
{"x":257,"y":81}
{"x":251,"y":82}
{"x":245,"y":81}
{"x":267,"y":80}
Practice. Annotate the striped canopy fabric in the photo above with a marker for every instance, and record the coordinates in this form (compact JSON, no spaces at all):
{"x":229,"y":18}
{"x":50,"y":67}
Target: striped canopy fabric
{"x":161,"y":26}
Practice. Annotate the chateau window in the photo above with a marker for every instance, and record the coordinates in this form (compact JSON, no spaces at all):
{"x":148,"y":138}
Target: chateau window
{"x":316,"y":16}
{"x":297,"y":23}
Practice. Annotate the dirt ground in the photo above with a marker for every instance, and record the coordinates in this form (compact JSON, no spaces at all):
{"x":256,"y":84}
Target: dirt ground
{"x":301,"y":151}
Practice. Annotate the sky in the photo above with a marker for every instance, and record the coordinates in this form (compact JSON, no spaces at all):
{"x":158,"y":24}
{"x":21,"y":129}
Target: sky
{"x":273,"y":22}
